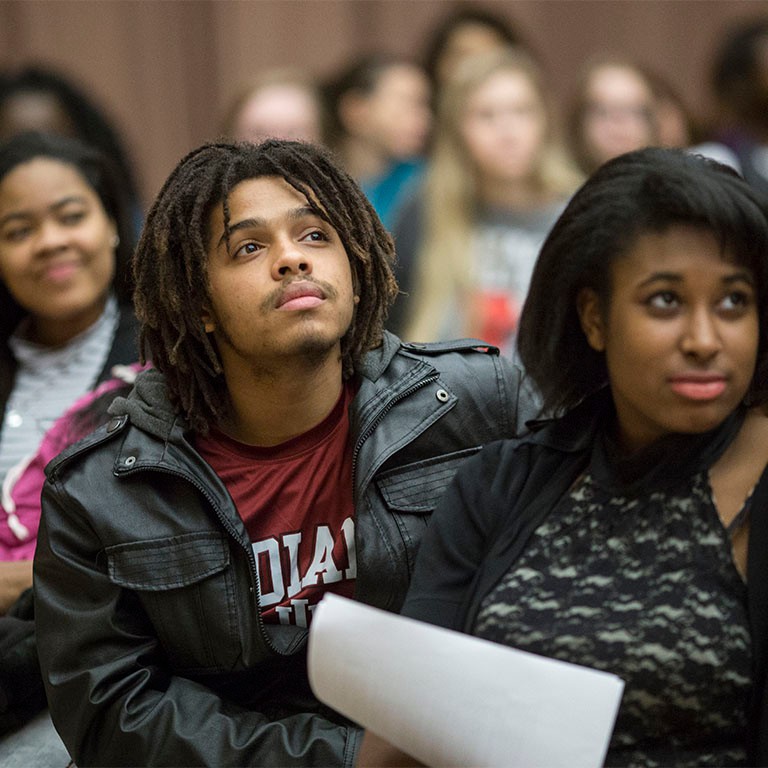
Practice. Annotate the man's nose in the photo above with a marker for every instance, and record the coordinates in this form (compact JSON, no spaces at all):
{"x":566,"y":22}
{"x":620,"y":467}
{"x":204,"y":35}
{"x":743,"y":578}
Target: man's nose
{"x":289,"y":259}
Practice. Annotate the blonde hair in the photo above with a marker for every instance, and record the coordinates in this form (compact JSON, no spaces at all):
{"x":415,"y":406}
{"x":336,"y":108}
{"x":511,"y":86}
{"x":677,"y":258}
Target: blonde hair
{"x":451,"y":188}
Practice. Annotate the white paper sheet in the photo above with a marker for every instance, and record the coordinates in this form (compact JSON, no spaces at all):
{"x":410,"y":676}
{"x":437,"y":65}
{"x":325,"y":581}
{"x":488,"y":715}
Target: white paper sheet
{"x":450,"y":699}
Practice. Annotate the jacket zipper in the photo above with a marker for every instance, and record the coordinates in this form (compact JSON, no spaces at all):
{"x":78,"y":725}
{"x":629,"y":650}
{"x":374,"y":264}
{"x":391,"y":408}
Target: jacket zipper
{"x":381,"y":414}
{"x":230,"y":530}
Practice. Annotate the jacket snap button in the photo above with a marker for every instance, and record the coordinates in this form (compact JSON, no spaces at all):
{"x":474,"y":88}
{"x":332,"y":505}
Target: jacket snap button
{"x":442,"y":395}
{"x":114,"y":424}
{"x":130,"y":461}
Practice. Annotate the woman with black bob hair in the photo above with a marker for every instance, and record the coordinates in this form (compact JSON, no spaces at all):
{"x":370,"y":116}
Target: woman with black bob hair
{"x":629,"y":533}
{"x":646,"y":191}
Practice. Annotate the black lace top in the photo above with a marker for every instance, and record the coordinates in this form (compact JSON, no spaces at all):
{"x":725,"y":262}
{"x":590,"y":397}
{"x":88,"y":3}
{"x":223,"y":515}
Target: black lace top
{"x":632,"y":573}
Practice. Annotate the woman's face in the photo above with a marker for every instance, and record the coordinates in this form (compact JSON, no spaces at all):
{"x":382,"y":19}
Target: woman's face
{"x":504,"y":127}
{"x":680,"y":336}
{"x":56,"y":247}
{"x":618,"y":115}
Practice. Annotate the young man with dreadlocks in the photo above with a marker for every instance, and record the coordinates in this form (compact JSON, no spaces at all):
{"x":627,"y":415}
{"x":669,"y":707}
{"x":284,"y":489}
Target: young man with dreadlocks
{"x":284,"y":445}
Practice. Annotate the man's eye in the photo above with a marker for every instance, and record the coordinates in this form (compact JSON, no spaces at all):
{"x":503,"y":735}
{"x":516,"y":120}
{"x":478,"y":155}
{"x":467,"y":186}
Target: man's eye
{"x":317,"y":236}
{"x":247,"y":249}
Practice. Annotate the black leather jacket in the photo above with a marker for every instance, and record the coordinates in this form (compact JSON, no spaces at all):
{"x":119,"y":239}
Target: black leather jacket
{"x":151,"y":642}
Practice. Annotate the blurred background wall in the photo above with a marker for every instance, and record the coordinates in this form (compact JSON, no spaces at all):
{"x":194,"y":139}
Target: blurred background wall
{"x":166,"y":69}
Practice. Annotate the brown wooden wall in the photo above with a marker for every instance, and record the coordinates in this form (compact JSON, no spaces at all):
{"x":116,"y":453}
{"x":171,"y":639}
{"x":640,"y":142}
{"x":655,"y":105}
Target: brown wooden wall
{"x":165,"y":69}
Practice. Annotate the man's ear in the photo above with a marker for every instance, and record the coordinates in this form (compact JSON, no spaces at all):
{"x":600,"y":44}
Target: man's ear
{"x":208,"y":322}
{"x":591,"y":318}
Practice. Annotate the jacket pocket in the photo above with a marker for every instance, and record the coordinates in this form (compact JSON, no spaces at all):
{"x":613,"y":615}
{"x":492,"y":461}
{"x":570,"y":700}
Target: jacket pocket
{"x":187,"y":587}
{"x":411,"y":493}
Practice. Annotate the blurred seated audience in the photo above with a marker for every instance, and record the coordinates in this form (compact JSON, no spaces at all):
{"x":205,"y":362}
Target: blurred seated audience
{"x":379,"y":120}
{"x":280,"y":103}
{"x":740,"y":84}
{"x":498,"y":177}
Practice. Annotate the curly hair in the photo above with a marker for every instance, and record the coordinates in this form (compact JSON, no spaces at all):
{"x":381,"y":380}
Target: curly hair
{"x":170,"y":262}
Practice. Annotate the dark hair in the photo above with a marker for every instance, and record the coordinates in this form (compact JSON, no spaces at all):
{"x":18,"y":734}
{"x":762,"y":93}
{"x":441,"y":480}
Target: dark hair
{"x":359,"y":76}
{"x":641,"y":192}
{"x":100,"y":175}
{"x":736,"y":73}
{"x":460,"y":15}
{"x":170,"y":264}
{"x":91,"y":125}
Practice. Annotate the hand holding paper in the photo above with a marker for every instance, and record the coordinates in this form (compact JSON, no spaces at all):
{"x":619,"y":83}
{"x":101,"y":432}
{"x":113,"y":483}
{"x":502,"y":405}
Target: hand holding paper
{"x":450,"y":699}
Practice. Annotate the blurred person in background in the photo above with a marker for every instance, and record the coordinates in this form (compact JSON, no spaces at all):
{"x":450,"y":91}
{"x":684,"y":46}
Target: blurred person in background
{"x":65,"y":311}
{"x":280,"y":103}
{"x":379,"y":120}
{"x":613,"y":113}
{"x":498,"y":178}
{"x":466,"y":30}
{"x":676,"y":126}
{"x":66,"y":326}
{"x":36,"y":98}
{"x":740,"y":84}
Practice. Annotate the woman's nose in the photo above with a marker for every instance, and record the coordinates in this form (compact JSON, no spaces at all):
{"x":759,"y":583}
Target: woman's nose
{"x":50,"y":236}
{"x":701,"y":336}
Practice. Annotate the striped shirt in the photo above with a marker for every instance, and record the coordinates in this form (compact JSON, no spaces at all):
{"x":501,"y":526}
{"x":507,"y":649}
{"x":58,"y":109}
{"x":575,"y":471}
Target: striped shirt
{"x":48,"y":380}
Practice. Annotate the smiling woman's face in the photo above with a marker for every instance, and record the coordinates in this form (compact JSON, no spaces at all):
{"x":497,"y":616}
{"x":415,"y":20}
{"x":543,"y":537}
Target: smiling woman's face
{"x":57,"y":247}
{"x":680,"y":336}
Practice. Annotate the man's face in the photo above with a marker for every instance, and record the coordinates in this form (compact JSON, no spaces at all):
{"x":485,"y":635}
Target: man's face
{"x":281,"y":288}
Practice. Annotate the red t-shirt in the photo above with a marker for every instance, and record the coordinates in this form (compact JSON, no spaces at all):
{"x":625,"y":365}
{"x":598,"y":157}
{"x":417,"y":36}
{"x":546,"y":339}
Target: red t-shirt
{"x":296,"y":502}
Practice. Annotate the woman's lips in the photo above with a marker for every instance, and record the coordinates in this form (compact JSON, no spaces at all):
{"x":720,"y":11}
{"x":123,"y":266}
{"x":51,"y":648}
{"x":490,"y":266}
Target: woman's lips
{"x":698,"y":387}
{"x":61,"y":272}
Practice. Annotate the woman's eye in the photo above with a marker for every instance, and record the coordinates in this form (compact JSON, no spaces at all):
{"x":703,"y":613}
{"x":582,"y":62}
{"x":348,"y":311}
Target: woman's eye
{"x":317,"y":236}
{"x":71,"y":218}
{"x":663,"y":300}
{"x":16,"y":234}
{"x":736,"y":300}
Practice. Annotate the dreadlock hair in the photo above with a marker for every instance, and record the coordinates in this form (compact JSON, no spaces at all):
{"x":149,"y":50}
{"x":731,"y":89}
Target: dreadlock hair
{"x":171,"y":271}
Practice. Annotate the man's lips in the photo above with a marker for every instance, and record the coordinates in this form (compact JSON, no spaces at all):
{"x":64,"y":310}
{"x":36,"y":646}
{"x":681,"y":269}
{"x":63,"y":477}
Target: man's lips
{"x":301,"y":295}
{"x":699,"y":386}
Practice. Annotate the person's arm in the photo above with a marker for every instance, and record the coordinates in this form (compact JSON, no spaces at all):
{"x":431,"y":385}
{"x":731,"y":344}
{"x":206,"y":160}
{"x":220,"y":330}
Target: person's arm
{"x":15,"y":577}
{"x":112,"y":692}
{"x":375,"y":752}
